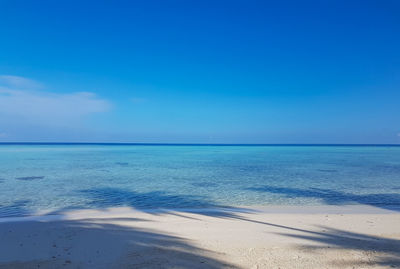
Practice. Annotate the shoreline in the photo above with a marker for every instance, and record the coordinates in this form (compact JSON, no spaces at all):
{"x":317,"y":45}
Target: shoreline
{"x":76,"y":214}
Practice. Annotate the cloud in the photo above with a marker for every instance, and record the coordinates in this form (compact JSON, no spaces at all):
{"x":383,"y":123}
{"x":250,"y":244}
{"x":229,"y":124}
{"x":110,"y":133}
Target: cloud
{"x":20,"y":104}
{"x":19,"y":82}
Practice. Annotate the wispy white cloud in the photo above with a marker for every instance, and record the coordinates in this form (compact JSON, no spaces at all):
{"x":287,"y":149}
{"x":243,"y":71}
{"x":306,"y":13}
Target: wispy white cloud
{"x":21,"y":103}
{"x":19,"y":82}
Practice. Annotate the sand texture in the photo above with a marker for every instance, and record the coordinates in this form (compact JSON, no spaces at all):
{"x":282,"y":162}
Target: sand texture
{"x":274,"y":237}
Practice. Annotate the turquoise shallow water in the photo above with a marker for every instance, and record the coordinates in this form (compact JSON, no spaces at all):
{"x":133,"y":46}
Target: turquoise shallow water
{"x":59,"y":177}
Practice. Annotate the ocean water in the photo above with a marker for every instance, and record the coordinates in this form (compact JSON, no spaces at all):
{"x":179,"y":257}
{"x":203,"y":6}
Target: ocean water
{"x":53,"y":178}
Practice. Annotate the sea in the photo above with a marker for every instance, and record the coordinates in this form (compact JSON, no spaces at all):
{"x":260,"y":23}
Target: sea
{"x":56,"y":177}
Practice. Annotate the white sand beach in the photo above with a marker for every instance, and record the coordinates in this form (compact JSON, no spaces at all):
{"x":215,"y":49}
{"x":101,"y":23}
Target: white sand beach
{"x":265,"y":237}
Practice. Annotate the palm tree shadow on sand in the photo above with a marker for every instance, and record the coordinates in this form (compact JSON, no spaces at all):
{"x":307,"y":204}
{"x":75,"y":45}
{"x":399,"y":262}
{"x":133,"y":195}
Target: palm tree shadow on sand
{"x":383,"y":251}
{"x":151,"y":248}
{"x":98,"y":244}
{"x":105,"y":241}
{"x":379,"y":250}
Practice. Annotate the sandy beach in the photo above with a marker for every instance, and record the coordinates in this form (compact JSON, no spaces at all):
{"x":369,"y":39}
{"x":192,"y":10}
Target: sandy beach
{"x":265,"y":237}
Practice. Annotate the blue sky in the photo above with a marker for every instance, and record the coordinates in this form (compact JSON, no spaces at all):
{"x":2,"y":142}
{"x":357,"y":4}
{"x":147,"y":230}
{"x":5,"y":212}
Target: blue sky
{"x":200,"y":71}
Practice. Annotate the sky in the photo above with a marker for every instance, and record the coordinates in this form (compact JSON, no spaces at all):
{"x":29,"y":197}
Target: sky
{"x":200,"y":71}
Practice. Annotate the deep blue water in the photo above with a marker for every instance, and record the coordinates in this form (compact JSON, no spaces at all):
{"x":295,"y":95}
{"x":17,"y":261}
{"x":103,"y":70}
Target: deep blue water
{"x":56,"y":177}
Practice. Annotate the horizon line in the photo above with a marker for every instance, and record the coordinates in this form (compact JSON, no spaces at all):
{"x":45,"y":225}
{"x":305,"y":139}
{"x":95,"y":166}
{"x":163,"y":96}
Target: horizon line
{"x":197,"y":144}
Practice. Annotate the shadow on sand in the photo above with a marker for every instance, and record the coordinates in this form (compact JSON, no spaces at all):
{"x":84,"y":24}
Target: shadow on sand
{"x":378,"y":250}
{"x":71,"y":242}
{"x":329,"y":238}
{"x":387,"y":250}
{"x":97,"y":244}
